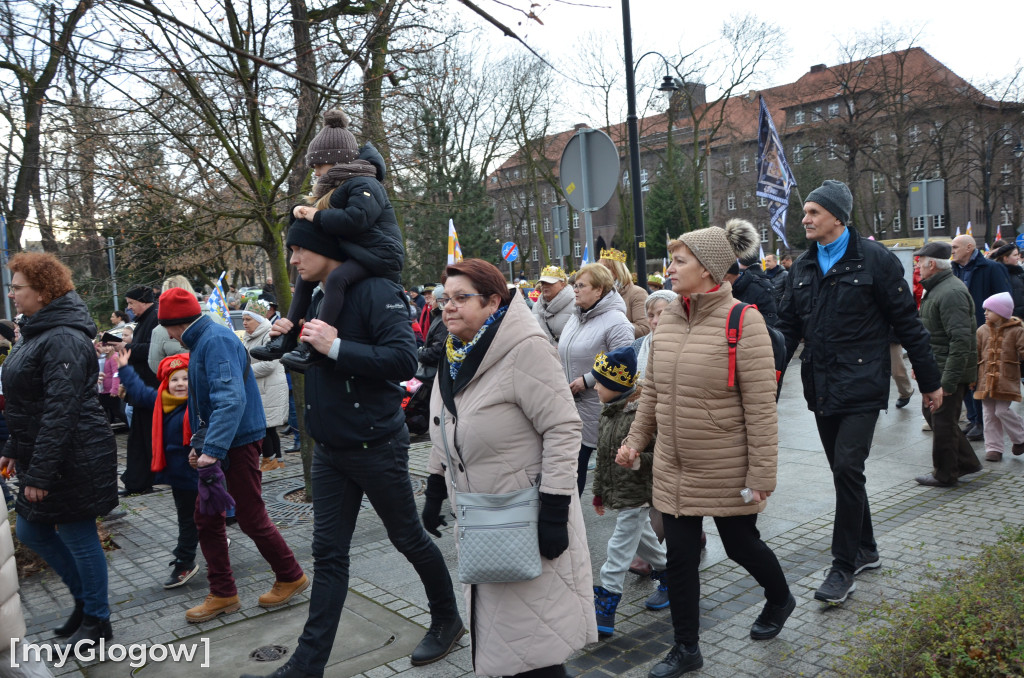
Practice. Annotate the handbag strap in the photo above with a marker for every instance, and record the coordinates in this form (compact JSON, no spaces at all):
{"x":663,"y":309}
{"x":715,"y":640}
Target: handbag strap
{"x":447,"y":453}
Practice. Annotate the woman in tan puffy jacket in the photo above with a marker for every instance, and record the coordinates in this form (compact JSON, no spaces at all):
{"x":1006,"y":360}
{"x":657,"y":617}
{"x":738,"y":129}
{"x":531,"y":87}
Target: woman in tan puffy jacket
{"x":714,"y":441}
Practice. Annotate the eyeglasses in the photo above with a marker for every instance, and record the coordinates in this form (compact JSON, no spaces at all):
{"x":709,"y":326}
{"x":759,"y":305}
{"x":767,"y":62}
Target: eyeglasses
{"x":580,"y":286}
{"x":458,"y":301}
{"x":17,"y":287}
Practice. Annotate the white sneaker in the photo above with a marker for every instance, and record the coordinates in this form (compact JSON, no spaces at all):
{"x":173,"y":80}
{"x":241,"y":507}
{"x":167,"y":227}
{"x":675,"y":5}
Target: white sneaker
{"x":926,"y":427}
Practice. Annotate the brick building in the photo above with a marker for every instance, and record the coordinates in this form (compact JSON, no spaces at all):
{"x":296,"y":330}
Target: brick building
{"x":876,"y":123}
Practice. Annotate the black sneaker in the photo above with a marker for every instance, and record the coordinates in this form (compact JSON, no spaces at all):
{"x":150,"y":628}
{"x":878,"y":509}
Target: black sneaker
{"x":180,"y":574}
{"x":903,"y":402}
{"x":838,"y":585}
{"x":866,"y":560}
{"x":677,"y":662}
{"x":771,"y":620}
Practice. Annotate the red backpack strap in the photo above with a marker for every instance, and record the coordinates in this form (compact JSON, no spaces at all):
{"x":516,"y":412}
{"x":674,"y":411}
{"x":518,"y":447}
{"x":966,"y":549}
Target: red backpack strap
{"x":733,"y":332}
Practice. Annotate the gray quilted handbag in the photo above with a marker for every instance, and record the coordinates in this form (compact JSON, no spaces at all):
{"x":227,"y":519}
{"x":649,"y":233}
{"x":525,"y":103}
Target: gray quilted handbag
{"x":497,"y":533}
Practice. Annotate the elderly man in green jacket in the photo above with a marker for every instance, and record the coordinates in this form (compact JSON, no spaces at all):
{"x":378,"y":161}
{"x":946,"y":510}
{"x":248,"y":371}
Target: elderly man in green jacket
{"x":947,"y":311}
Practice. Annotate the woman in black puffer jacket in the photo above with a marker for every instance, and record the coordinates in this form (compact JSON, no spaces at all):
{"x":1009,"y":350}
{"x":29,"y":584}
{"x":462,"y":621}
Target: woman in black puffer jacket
{"x":1009,"y":256}
{"x":60,"y":444}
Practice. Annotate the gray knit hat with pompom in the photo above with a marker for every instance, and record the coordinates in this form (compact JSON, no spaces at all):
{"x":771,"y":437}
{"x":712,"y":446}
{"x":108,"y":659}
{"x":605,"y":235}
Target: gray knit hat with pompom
{"x":718,"y":248}
{"x":334,"y":143}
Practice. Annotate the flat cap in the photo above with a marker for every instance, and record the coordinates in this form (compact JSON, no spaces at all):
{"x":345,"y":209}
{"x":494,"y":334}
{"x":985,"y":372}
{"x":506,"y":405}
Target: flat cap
{"x":935,"y":250}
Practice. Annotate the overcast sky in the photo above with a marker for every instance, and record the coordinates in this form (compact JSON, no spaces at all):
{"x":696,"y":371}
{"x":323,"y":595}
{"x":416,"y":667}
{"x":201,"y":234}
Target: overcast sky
{"x":980,"y":41}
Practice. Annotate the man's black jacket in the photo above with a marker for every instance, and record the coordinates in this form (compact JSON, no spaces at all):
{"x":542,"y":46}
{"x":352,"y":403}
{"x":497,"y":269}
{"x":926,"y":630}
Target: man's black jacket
{"x":844,"y":318}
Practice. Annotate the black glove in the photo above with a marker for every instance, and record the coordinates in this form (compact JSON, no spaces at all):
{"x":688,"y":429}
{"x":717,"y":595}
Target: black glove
{"x":435,"y":494}
{"x":553,"y":524}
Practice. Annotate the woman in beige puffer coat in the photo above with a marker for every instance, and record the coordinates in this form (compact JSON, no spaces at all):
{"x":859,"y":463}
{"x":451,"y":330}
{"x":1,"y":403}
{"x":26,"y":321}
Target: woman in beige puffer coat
{"x":713,"y":440}
{"x":510,"y":419}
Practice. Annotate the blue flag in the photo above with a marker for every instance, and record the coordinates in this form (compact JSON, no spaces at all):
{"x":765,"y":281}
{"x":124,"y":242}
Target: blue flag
{"x":217,"y":303}
{"x":774,"y":177}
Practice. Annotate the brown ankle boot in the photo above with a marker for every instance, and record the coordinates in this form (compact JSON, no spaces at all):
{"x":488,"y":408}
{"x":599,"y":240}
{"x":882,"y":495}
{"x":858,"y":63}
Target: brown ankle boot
{"x":211,"y":607}
{"x":283,"y":591}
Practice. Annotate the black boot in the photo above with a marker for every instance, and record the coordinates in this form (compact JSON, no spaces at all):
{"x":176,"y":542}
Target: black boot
{"x":771,"y":620}
{"x":276,"y":347}
{"x":440,"y":640}
{"x":302,"y":358}
{"x":73,"y":622}
{"x":92,"y":629}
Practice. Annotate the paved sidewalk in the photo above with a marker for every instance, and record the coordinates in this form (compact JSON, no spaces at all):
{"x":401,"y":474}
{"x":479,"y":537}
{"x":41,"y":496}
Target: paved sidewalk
{"x":920,"y":531}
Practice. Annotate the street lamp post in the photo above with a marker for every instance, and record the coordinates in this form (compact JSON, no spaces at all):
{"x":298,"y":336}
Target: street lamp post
{"x":634,"y":143}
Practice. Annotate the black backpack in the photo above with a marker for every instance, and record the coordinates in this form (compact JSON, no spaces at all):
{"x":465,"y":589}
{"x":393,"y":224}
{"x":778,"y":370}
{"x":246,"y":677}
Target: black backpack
{"x":733,"y":332}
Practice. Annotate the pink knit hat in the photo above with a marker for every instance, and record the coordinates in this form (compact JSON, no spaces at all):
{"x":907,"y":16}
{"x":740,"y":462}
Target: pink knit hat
{"x":1001,"y":304}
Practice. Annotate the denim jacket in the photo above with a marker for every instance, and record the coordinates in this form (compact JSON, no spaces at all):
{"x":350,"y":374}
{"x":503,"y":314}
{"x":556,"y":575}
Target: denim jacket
{"x":224,"y":401}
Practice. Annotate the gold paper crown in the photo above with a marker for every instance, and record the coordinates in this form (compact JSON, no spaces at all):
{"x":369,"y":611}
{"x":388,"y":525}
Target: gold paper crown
{"x":258,"y":307}
{"x":655,"y":277}
{"x":613,"y":372}
{"x":175,"y":364}
{"x":613,"y":254}
{"x":552,"y":272}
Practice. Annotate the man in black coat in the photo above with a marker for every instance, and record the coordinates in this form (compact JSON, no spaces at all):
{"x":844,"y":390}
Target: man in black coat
{"x":777,"y":276}
{"x":354,"y":414}
{"x":137,"y":477}
{"x":846,"y":293}
{"x":983,"y":278}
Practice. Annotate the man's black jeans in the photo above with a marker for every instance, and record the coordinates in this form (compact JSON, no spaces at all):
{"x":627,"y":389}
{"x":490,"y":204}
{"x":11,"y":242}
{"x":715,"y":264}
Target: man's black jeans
{"x":847,"y":441}
{"x":340,"y":478}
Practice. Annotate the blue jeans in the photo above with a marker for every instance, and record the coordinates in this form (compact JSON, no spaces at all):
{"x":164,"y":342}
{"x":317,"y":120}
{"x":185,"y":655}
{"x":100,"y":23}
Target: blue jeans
{"x":340,"y":477}
{"x":74,"y":552}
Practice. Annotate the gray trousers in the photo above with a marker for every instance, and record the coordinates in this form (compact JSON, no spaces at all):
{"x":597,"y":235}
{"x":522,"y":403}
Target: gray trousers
{"x":633,"y":536}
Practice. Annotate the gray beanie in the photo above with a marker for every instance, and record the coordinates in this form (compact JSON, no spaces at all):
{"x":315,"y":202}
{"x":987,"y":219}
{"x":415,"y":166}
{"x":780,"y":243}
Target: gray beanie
{"x":334,"y":143}
{"x":717,"y":248}
{"x":835,"y":197}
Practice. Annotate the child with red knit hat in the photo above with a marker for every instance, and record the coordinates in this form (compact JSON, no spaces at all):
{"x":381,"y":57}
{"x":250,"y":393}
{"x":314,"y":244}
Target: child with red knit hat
{"x":171,"y":436}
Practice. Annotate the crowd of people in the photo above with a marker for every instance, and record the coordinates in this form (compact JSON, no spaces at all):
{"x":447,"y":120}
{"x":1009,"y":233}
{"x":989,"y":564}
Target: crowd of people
{"x":678,"y":414}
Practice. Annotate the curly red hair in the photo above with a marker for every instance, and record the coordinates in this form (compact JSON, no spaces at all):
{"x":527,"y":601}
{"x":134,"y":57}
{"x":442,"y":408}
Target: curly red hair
{"x":44,"y":272}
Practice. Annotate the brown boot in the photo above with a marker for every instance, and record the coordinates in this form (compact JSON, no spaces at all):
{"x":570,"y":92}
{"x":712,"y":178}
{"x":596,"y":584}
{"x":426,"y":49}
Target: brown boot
{"x":267,"y":464}
{"x":212,"y":607}
{"x":993,"y":456}
{"x":279,"y":463}
{"x":283,"y":591}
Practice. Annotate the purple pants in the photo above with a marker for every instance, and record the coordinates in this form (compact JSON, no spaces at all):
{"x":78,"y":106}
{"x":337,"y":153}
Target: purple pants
{"x":245,"y":486}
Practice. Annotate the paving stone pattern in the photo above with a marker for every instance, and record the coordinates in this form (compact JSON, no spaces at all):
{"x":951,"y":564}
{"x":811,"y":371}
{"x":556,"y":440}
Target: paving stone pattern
{"x":922,"y":532}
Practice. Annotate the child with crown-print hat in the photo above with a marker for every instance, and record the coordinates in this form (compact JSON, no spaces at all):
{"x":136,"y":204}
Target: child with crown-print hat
{"x":626,"y":489}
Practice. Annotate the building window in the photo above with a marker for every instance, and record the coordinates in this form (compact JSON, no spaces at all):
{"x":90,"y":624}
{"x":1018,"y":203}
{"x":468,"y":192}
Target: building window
{"x":1007,"y":214}
{"x":798,"y":117}
{"x":549,"y":252}
{"x":494,"y":179}
{"x":746,"y":199}
{"x":576,"y":249}
{"x":762,"y":201}
{"x":744,"y":164}
{"x":547,"y":225}
{"x":515,"y":174}
{"x":533,"y":225}
{"x":918,"y":223}
{"x":508,"y":230}
{"x":833,"y":110}
{"x":764,"y":233}
{"x":798,"y":154}
{"x":534,"y":252}
{"x":915,"y":134}
{"x":816,"y":115}
{"x":813,"y":150}
{"x":730,"y":201}
{"x":1006,"y":174}
{"x":831,"y":150}
{"x":575,"y":221}
{"x":523,"y":229}
{"x":939,"y":221}
{"x":625,"y":178}
{"x":728,"y":166}
{"x":877,"y":183}
{"x":644,"y":186}
{"x":544,"y":196}
{"x":879,"y":220}
{"x":897,"y":221}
